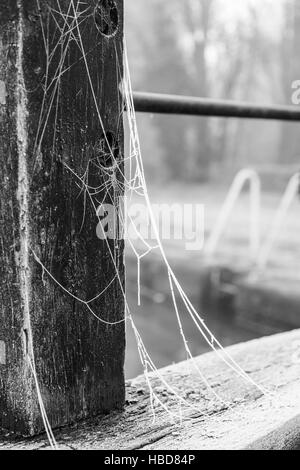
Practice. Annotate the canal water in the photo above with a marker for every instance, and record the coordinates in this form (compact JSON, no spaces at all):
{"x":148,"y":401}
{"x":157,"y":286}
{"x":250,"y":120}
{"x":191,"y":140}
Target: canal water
{"x":157,"y":323}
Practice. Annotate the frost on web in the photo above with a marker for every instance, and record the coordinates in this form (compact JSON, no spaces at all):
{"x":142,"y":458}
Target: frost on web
{"x":105,"y":176}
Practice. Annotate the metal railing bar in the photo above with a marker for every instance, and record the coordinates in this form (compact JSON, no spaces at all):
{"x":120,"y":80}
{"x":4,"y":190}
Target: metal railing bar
{"x":243,"y":176}
{"x":291,"y":192}
{"x":192,"y":106}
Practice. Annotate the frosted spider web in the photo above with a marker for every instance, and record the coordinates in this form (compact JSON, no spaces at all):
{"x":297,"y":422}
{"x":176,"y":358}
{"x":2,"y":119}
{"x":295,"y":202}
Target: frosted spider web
{"x":133,"y":182}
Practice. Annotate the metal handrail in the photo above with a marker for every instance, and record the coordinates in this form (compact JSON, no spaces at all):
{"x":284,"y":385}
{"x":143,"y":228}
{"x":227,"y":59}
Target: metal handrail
{"x":255,"y":206}
{"x":292,"y":190}
{"x":192,"y":106}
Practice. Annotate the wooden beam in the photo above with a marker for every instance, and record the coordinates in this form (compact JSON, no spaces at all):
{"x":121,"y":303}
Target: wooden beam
{"x":252,"y":422}
{"x":60,"y":70}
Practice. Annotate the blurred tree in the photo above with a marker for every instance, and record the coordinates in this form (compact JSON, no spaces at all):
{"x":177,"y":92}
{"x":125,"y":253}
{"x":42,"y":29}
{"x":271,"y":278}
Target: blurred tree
{"x":163,"y":71}
{"x":197,"y":16}
{"x":212,"y":48}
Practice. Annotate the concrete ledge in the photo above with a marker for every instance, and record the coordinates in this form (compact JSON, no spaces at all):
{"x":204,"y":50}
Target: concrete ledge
{"x":252,"y":422}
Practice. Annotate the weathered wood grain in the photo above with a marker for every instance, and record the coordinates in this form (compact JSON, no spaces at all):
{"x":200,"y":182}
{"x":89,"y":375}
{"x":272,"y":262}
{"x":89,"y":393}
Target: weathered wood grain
{"x":45,"y":210}
{"x":252,"y":422}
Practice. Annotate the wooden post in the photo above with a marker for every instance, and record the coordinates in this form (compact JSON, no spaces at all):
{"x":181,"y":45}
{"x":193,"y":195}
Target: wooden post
{"x":60,"y":112}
